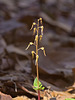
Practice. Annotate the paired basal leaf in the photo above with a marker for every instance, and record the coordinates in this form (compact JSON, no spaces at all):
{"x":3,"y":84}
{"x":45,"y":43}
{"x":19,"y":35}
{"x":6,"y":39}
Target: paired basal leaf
{"x":69,"y":99}
{"x":35,"y":85}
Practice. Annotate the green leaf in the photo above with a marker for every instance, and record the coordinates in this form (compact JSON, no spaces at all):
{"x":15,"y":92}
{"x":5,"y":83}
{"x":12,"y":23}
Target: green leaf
{"x":35,"y":84}
{"x":69,"y":99}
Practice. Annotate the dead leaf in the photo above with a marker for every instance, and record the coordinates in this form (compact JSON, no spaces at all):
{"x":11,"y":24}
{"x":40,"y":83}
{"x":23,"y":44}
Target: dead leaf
{"x":67,"y":28}
{"x":5,"y":97}
{"x":7,"y":26}
{"x":30,"y":92}
{"x":21,"y":98}
{"x":13,"y":49}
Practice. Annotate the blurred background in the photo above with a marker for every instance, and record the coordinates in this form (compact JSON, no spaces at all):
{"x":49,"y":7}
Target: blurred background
{"x":58,"y":67}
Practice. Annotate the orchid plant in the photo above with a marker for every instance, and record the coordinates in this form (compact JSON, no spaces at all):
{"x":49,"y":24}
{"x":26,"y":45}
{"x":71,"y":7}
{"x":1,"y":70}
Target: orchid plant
{"x":37,"y":27}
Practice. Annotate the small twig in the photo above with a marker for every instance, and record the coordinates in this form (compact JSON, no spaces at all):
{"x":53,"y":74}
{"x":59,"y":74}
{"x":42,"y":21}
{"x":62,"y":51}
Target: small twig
{"x":30,"y":92}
